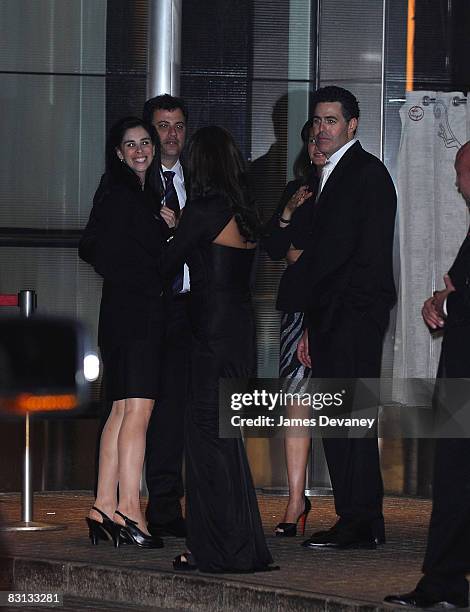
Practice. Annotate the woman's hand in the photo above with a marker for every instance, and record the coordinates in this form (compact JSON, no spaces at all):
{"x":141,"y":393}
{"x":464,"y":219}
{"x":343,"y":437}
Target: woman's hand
{"x":168,"y":216}
{"x":296,"y":200}
{"x":293,"y":255}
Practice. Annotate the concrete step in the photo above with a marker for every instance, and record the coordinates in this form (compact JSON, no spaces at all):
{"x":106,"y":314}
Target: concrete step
{"x":136,"y":589}
{"x":70,"y":604}
{"x":131,"y":578}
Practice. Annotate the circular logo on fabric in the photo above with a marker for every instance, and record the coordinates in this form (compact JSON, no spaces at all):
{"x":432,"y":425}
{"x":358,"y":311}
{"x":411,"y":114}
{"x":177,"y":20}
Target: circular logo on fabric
{"x":416,"y":113}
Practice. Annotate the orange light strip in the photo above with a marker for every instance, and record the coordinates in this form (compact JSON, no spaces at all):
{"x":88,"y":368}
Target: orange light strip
{"x":410,"y":46}
{"x":27,"y":402}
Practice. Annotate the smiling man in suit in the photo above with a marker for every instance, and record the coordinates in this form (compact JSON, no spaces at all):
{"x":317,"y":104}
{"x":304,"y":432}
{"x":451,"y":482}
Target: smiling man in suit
{"x":348,"y":269}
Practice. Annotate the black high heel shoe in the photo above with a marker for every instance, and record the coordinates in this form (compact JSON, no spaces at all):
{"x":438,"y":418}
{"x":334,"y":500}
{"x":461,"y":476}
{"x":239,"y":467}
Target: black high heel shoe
{"x":133,"y":535}
{"x":101,"y":531}
{"x":289,"y":530}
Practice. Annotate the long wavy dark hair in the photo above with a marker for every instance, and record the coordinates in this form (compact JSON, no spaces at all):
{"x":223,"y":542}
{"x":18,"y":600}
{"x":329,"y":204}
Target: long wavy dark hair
{"x":216,"y":165}
{"x":119,"y":172}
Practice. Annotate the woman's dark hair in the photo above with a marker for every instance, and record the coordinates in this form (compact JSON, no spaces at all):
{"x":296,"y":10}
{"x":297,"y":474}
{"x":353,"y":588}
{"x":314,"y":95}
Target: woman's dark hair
{"x":119,"y":172}
{"x":302,"y":164}
{"x":216,"y":164}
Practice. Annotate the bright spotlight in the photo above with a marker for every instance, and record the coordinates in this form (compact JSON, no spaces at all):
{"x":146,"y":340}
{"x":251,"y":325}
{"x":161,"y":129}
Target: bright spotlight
{"x":91,"y":367}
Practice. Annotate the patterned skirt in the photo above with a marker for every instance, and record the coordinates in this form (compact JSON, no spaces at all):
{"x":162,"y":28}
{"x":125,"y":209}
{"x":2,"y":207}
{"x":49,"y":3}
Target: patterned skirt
{"x":289,"y":365}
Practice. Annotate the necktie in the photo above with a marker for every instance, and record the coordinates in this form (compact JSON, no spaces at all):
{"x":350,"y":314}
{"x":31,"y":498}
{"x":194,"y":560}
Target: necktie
{"x":171,"y":201}
{"x":171,"y":197}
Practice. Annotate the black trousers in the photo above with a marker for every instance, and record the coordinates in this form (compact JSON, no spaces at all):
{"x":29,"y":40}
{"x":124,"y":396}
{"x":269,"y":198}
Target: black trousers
{"x":165,"y":434}
{"x":447,"y":558}
{"x":352,"y":349}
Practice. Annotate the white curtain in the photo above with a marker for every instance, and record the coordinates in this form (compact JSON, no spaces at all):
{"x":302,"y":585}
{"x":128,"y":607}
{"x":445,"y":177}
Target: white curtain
{"x":432,"y":223}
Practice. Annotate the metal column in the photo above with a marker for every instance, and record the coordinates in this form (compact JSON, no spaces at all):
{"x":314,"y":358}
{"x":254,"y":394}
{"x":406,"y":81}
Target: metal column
{"x":164,"y":59}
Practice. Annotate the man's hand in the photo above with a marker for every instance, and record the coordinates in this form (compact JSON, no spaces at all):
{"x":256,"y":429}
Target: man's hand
{"x":433,"y":309}
{"x":168,"y":216}
{"x":302,"y":350}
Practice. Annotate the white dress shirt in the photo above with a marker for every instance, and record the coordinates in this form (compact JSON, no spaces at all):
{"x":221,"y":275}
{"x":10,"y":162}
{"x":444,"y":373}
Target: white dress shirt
{"x":332,"y":161}
{"x":178,"y":182}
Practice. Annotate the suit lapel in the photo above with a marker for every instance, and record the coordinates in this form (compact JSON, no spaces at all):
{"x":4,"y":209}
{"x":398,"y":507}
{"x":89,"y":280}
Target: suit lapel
{"x":336,"y":175}
{"x":335,"y":178}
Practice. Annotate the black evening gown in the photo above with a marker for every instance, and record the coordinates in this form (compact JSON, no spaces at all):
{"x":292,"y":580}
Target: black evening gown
{"x":225,"y":533}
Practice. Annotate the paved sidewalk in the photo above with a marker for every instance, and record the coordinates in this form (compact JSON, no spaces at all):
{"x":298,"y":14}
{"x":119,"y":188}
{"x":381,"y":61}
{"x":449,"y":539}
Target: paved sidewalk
{"x":307,"y":580}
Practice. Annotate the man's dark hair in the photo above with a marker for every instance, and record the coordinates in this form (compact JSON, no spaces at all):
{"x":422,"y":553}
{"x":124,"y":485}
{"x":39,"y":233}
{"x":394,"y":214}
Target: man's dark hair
{"x":165,"y":102}
{"x":333,"y":93}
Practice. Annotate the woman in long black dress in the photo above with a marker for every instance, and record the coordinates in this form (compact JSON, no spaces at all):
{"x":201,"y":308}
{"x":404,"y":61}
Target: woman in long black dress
{"x":216,"y":237}
{"x":287,"y":234}
{"x":127,"y":232}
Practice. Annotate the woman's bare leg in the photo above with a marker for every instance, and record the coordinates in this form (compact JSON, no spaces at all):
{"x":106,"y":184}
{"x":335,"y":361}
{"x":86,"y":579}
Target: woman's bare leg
{"x":106,"y":495}
{"x":297,"y":451}
{"x":131,"y":452}
{"x":297,"y":446}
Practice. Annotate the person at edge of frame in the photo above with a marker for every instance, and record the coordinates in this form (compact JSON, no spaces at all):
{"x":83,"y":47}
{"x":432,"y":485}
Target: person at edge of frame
{"x":444,"y":584}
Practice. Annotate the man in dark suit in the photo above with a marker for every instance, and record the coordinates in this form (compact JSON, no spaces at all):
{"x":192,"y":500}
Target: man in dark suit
{"x":348,"y":269}
{"x":447,"y":558}
{"x":165,"y":434}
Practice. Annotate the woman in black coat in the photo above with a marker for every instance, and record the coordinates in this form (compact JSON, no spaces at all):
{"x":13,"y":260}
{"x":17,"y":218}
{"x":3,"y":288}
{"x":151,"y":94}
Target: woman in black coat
{"x":127,"y":232}
{"x":287,"y":234}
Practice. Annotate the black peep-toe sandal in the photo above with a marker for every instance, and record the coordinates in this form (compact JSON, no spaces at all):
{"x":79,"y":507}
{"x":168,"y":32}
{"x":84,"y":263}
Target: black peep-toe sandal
{"x":184,"y":562}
